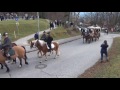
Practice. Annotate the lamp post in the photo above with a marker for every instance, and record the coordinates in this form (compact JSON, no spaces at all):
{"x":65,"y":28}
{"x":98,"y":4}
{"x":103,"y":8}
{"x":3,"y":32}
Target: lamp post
{"x":38,"y":24}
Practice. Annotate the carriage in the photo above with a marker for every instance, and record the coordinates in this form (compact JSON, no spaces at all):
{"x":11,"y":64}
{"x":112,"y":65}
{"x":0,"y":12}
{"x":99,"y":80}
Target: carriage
{"x":91,"y":33}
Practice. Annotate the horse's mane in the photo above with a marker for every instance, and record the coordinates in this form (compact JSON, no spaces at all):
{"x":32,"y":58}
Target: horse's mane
{"x":14,"y":44}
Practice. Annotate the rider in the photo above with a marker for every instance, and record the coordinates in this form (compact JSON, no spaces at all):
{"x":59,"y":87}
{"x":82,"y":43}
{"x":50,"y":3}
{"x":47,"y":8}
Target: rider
{"x":43,"y":37}
{"x":49,"y":41}
{"x":7,"y":45}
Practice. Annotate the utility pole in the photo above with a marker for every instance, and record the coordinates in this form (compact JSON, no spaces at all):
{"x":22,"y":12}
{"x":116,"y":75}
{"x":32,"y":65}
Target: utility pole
{"x":38,"y":24}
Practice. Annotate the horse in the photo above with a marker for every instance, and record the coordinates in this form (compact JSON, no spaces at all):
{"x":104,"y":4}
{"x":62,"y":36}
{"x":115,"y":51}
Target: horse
{"x":2,"y":61}
{"x":32,"y":44}
{"x":87,"y":37}
{"x":20,"y":53}
{"x":14,"y":60}
{"x":95,"y":35}
{"x":41,"y":45}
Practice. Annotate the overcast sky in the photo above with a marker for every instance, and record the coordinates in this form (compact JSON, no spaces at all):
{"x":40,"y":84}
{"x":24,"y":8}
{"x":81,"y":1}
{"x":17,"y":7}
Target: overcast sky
{"x":82,"y":13}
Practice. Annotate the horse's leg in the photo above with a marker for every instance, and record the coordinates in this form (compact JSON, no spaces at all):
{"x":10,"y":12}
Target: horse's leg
{"x":26,"y":61}
{"x":14,"y":61}
{"x":86,"y":40}
{"x":38,"y":53}
{"x":1,"y":66}
{"x":6,"y":67}
{"x":25,"y":54}
{"x":20,"y":62}
{"x":45,"y":57}
{"x":52,"y":51}
{"x":83,"y":39}
{"x":56,"y":54}
{"x":95,"y":39}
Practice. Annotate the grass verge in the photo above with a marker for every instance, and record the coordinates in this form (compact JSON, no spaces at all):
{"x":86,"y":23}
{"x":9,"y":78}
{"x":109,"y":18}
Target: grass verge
{"x":26,"y":27}
{"x":109,"y":69}
{"x":62,"y":33}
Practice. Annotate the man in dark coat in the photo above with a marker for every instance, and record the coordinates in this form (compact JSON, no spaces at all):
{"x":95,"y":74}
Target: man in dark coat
{"x":104,"y":47}
{"x":36,"y":36}
{"x":49,"y":41}
{"x":43,"y":37}
{"x":7,"y":45}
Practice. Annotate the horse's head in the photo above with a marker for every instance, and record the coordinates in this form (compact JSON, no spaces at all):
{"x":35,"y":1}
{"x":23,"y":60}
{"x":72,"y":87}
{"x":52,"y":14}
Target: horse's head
{"x":31,"y":44}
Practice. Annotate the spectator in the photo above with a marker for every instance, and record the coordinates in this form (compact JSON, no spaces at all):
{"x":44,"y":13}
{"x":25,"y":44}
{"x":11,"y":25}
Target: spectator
{"x":36,"y":36}
{"x":104,"y":47}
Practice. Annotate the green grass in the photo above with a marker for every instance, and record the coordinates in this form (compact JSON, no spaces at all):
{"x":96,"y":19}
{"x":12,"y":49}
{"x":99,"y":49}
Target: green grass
{"x":62,"y":33}
{"x":26,"y":27}
{"x":109,"y":69}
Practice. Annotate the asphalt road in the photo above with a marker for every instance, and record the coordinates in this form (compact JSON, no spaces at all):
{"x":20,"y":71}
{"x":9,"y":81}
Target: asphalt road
{"x":74,"y":59}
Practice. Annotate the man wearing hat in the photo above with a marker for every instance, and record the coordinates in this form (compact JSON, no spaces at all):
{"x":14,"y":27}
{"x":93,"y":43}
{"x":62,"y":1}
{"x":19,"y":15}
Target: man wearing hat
{"x":7,"y":45}
{"x":43,"y":37}
{"x":49,"y":41}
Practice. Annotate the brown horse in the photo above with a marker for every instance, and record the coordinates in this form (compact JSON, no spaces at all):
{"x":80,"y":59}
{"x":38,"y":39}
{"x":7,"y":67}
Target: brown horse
{"x":2,"y":61}
{"x":96,"y":35}
{"x":32,"y":44}
{"x":19,"y":52}
{"x":87,"y":37}
{"x":41,"y":45}
{"x":14,"y":44}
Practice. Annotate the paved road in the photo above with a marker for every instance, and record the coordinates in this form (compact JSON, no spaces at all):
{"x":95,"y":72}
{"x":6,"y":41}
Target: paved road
{"x":75,"y":58}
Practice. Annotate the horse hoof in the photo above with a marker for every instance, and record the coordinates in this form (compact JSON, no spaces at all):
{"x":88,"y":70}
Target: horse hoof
{"x":26,"y":63}
{"x":1,"y":67}
{"x":55,"y":58}
{"x":39,"y":57}
{"x":45,"y":59}
{"x":20,"y":66}
{"x":40,"y":62}
{"x":8,"y":70}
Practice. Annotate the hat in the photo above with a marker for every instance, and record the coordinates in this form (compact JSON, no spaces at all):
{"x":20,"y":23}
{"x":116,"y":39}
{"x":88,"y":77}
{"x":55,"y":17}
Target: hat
{"x":4,"y":34}
{"x":105,"y":41}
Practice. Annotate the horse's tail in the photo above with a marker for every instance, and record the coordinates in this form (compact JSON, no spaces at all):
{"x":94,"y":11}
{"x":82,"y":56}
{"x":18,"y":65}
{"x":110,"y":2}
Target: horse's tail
{"x":25,"y":52}
{"x":58,"y":48}
{"x":59,"y":51}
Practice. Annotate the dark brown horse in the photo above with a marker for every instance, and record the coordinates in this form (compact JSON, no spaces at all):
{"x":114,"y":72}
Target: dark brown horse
{"x":41,"y":45}
{"x":87,"y":37}
{"x":96,"y":35}
{"x":2,"y":61}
